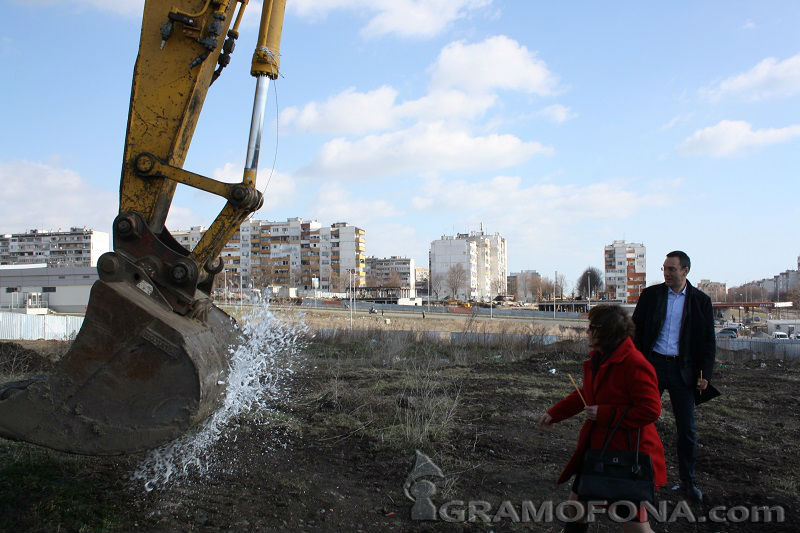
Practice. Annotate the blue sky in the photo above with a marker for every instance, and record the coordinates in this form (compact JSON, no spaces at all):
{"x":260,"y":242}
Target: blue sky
{"x":562,"y":126}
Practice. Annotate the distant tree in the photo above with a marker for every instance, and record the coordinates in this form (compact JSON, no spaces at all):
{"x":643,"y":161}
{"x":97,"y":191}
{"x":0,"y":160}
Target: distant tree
{"x":456,"y":279}
{"x":499,"y":287}
{"x":372,"y":281}
{"x":394,"y":280}
{"x":546,"y":288}
{"x":560,"y":285}
{"x":794,"y":297}
{"x":749,"y":292}
{"x":337,"y":282}
{"x":590,"y":281}
{"x":437,"y":283}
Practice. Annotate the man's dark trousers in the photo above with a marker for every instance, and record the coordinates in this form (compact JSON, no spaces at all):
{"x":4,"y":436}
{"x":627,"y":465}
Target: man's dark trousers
{"x":682,"y":399}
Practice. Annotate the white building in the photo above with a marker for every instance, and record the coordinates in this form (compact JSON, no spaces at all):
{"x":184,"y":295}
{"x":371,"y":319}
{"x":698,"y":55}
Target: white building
{"x":342,"y":254}
{"x":189,"y":238}
{"x":625,"y":271}
{"x":392,"y":272}
{"x":79,"y":247}
{"x":37,"y":287}
{"x":482,"y":258}
{"x":294,"y":253}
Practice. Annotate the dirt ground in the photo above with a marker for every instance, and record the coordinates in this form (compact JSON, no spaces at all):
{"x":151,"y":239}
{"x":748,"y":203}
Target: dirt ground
{"x":333,"y":455}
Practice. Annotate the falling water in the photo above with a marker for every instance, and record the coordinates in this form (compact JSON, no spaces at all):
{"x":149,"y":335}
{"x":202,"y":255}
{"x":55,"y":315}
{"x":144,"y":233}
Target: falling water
{"x":259,"y":370}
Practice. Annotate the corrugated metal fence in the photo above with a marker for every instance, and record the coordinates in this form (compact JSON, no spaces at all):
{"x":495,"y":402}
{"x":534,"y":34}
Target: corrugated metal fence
{"x":748,"y":348}
{"x":17,"y":326}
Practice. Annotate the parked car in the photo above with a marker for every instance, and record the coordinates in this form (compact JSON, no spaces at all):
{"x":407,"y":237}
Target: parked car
{"x":779,"y":335}
{"x":727,"y":334}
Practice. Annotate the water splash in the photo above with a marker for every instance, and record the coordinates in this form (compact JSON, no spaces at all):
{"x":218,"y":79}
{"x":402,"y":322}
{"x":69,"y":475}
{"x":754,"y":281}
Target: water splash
{"x":259,"y":371}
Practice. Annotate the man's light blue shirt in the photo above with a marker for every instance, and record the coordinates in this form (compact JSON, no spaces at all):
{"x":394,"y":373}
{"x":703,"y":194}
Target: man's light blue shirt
{"x":667,"y":342}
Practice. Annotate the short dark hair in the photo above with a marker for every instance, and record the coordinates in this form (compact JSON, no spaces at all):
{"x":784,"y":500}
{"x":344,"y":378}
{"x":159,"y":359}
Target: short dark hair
{"x":611,"y":326}
{"x":682,"y":258}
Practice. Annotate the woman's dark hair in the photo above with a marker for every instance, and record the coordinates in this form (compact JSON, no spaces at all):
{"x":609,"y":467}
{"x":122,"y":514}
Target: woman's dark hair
{"x":610,"y":325}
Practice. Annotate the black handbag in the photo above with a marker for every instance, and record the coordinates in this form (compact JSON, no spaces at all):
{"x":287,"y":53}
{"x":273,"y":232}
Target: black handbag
{"x":616,"y":475}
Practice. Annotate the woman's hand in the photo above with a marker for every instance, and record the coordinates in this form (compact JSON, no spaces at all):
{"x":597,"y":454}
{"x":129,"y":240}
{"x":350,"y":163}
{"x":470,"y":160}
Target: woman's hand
{"x":591,"y":412}
{"x":546,"y":421}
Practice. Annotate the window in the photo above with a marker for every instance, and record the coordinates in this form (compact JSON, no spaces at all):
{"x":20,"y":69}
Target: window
{"x":48,"y":289}
{"x":12,"y":289}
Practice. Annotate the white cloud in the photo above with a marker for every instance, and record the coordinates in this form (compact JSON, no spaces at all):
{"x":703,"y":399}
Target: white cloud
{"x":348,"y":112}
{"x":538,"y":216}
{"x":769,"y":78}
{"x":278,"y":188}
{"x":43,"y":196}
{"x":404,"y":18}
{"x":337,"y":204}
{"x":749,"y":25}
{"x":495,"y":63}
{"x":183,"y":218}
{"x":676,"y":120}
{"x":423,"y":148}
{"x":507,"y":198}
{"x":557,"y":113}
{"x":733,"y":137}
{"x":356,"y":113}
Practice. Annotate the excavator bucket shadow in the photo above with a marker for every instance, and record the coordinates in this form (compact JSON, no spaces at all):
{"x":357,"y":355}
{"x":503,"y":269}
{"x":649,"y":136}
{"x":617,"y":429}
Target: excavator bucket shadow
{"x":137,"y":375}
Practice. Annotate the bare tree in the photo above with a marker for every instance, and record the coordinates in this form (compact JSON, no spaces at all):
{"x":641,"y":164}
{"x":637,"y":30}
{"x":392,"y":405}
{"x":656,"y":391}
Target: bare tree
{"x":394,"y":279}
{"x":590,"y":281}
{"x":546,"y":288}
{"x":456,"y":278}
{"x":337,"y":281}
{"x":560,"y":285}
{"x":499,"y":287}
{"x":437,"y":283}
{"x":532,"y":286}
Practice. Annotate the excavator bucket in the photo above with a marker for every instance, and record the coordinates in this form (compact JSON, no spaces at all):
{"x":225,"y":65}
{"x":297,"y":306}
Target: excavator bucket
{"x":136,"y":376}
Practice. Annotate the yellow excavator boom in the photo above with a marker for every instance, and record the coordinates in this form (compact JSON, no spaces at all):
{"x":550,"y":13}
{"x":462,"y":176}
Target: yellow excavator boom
{"x":152,"y":356}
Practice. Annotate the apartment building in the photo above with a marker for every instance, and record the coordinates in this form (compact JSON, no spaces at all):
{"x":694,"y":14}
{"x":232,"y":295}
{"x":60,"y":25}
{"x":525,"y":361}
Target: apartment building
{"x":714,"y":289}
{"x":189,"y":238}
{"x":304,"y":254}
{"x":78,"y":247}
{"x":469,"y":266}
{"x":525,"y":285}
{"x":391,"y":272}
{"x":625,"y":271}
{"x":296,"y":253}
{"x":343,"y":257}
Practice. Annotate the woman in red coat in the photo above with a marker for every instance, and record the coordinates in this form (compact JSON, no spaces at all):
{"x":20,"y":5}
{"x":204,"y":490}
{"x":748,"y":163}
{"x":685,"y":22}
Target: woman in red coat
{"x":615,"y":376}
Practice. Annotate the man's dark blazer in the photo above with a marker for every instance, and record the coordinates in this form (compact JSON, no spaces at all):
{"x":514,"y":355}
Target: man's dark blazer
{"x":697,"y":346}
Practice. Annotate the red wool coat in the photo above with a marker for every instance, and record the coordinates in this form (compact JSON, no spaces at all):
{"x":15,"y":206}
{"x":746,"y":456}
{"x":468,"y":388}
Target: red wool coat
{"x":625,"y":378}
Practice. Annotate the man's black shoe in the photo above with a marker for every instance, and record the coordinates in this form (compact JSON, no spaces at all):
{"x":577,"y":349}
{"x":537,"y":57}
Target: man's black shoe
{"x":692,"y":492}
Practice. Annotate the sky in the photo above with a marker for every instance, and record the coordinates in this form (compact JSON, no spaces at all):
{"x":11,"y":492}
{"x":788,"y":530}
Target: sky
{"x":563,"y":126}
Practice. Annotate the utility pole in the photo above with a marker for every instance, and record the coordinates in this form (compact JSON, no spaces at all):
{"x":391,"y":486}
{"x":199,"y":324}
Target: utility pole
{"x":589,"y":281}
{"x":555,"y":285}
{"x":352,"y":300}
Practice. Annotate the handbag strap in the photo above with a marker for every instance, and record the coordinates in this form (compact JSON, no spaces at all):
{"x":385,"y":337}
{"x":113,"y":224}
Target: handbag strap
{"x":610,"y":434}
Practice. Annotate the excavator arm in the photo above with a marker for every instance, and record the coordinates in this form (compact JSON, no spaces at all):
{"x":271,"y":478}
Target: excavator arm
{"x":152,"y":356}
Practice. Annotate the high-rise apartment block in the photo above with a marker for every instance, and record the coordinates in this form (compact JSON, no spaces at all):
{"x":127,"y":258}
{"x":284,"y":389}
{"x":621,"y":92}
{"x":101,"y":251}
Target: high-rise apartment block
{"x":469,"y":266}
{"x":342,"y":257}
{"x":392,"y":272}
{"x":625,"y":271}
{"x":78,"y":247}
{"x":295,"y":253}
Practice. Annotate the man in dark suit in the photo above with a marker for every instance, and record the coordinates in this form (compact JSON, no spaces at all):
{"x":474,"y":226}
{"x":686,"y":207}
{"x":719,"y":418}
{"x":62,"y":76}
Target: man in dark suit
{"x":675,"y":331}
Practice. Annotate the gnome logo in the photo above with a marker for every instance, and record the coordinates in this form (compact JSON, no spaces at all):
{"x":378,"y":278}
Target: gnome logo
{"x":420,"y":490}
